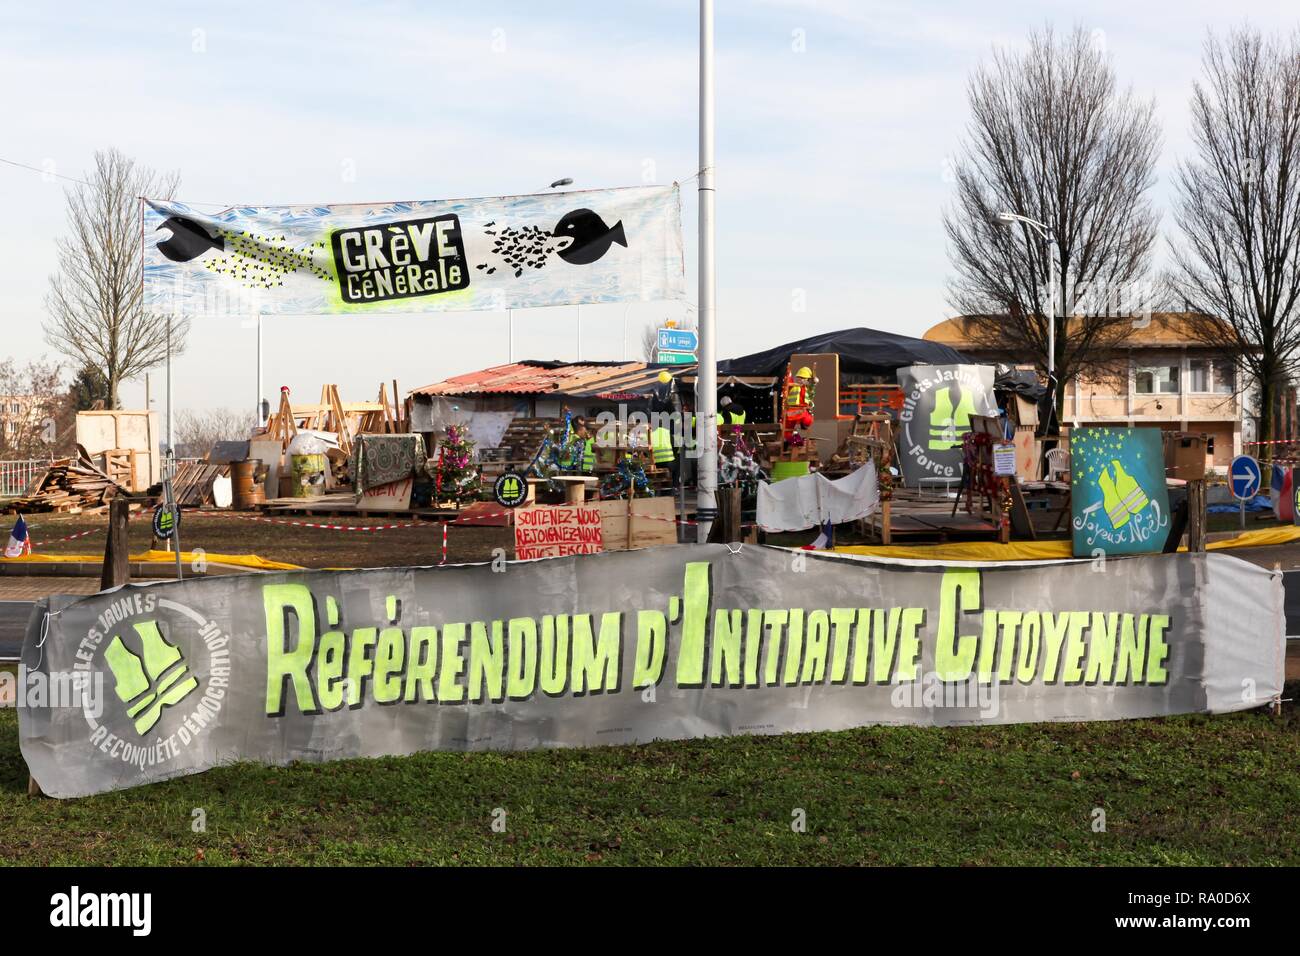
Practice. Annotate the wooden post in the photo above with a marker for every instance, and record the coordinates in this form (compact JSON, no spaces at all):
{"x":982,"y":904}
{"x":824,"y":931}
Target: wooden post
{"x":886,"y":532}
{"x":1196,"y":514}
{"x":631,"y":498}
{"x":117,"y":553}
{"x":726,"y":529}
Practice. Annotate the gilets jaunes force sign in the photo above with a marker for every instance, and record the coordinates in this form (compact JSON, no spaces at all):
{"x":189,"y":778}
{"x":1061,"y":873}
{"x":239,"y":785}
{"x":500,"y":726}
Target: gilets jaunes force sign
{"x":673,"y":642}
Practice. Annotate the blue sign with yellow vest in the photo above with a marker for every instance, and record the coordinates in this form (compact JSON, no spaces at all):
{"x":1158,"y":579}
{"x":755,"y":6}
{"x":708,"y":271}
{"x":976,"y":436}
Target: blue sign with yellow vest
{"x":1119,"y":502}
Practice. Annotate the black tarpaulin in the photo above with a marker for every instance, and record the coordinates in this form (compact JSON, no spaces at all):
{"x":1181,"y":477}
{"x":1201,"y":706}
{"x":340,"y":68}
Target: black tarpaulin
{"x":861,"y":351}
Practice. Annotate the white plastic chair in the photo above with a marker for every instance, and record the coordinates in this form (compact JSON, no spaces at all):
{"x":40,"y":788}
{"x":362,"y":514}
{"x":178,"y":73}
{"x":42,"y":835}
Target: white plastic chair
{"x":1058,"y":463}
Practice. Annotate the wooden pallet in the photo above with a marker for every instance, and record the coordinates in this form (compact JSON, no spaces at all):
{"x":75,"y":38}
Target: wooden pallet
{"x":192,"y":485}
{"x":69,"y":486}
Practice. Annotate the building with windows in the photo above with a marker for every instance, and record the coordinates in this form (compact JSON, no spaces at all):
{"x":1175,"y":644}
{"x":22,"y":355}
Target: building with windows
{"x":22,"y":418}
{"x":1162,"y":375}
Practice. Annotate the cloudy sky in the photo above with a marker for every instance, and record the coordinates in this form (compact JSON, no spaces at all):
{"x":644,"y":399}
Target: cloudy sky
{"x":837,"y":121}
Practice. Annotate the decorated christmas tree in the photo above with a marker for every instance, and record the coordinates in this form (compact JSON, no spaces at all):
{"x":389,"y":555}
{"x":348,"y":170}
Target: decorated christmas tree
{"x":455,"y":473}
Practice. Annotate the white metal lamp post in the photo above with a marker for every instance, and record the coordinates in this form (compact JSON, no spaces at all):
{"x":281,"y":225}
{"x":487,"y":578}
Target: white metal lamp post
{"x":706,"y":376}
{"x":1053,"y":259}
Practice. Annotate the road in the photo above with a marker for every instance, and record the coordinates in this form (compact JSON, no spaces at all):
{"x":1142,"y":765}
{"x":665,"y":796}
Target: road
{"x":13,"y":624}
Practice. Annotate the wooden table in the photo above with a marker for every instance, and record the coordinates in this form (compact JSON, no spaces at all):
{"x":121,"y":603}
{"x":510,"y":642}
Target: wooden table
{"x":575,"y":487}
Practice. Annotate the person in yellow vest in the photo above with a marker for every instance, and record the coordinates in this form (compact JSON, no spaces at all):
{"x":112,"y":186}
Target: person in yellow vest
{"x":948,"y":424}
{"x":798,"y":404}
{"x":729,"y":413}
{"x":661,"y":448}
{"x":585,"y":446}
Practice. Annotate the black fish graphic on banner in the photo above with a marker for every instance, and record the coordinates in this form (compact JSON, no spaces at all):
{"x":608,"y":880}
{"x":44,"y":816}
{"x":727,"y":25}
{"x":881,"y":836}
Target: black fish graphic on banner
{"x":188,"y":240}
{"x":591,"y":237}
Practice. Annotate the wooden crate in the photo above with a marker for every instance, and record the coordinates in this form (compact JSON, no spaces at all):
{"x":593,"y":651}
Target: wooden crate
{"x":652,"y":523}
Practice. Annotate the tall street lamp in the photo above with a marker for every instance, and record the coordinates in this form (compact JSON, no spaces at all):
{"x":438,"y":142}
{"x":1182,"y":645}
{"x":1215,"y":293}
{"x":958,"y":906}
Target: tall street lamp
{"x":566,"y":181}
{"x":1044,"y":231}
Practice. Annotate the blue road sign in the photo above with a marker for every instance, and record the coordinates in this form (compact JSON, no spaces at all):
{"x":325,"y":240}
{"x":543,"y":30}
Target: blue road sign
{"x":1247,"y":479}
{"x":678,"y":340}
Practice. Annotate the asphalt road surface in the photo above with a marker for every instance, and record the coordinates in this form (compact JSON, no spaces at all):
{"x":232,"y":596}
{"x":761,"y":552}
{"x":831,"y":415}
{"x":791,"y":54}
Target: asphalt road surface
{"x":13,"y":624}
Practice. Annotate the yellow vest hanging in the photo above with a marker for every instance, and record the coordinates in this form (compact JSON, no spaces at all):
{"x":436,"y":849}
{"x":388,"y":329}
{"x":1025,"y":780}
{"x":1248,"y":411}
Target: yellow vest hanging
{"x":946,"y":423}
{"x":661,"y":441}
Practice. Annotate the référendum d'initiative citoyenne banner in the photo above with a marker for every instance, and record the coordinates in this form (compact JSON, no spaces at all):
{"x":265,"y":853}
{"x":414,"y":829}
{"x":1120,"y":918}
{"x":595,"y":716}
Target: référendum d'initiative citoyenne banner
{"x":674,"y":642}
{"x":608,"y":245}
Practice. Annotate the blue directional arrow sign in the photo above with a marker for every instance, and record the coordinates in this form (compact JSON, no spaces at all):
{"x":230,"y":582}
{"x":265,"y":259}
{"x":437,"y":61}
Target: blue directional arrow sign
{"x":678,"y":340}
{"x":1247,"y":479}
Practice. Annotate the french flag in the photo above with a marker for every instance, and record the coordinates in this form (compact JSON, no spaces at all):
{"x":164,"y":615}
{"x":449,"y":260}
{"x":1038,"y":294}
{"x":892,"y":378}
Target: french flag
{"x":825,"y":538}
{"x":20,"y":542}
{"x":1281,"y":492}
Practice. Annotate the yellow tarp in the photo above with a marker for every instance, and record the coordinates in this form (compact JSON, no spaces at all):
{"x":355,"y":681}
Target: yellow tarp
{"x":1045,"y":550}
{"x":159,"y":557}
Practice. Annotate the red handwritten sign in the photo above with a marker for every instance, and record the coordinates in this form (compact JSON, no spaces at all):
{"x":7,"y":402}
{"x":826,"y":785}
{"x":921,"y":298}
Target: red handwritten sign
{"x":548,"y":532}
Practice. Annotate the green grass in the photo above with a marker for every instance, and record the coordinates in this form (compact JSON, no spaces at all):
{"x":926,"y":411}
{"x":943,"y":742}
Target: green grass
{"x":1184,"y":790}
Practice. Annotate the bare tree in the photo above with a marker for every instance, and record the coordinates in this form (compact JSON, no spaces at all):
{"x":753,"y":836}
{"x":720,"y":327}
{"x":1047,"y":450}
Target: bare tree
{"x":96,"y":313}
{"x":1237,"y":258}
{"x":650,"y":337}
{"x":37,"y":413}
{"x":1051,"y":138}
{"x":198,"y":431}
{"x":649,"y":342}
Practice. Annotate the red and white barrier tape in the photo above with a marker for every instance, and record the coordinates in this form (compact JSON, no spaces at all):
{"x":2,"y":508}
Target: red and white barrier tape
{"x":71,"y":537}
{"x":322,"y":525}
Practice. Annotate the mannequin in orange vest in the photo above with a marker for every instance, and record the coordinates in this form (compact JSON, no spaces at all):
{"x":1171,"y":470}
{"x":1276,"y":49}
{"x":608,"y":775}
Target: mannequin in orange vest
{"x":799,"y":391}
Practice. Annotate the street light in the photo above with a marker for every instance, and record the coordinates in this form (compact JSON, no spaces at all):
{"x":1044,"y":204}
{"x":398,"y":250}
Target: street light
{"x":1044,"y":231}
{"x":566,"y":181}
{"x":510,"y":313}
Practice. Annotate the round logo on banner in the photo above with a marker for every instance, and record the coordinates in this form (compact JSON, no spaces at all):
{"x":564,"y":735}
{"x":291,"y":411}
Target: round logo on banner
{"x":510,"y":490}
{"x":167,"y":663}
{"x":165,"y":520}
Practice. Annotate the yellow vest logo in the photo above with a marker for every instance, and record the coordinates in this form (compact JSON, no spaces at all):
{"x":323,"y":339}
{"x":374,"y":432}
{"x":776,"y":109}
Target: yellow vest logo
{"x":1121,"y":496}
{"x":948,"y":424}
{"x":158,"y":677}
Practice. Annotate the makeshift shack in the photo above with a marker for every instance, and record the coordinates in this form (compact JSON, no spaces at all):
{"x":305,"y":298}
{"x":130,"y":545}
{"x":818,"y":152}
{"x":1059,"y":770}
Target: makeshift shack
{"x":123,"y":444}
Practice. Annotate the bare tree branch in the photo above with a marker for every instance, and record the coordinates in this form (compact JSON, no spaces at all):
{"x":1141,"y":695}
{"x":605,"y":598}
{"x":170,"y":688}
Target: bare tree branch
{"x":198,"y":431}
{"x":37,"y":412}
{"x":1236,"y":260}
{"x":96,"y":315}
{"x":1051,"y":138}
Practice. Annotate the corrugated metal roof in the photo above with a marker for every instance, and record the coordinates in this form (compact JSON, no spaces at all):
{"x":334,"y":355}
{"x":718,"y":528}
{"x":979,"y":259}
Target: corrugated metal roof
{"x":617,"y":380}
{"x":627,"y":382}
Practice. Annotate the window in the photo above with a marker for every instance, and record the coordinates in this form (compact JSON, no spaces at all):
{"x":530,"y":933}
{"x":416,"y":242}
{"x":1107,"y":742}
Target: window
{"x":1156,"y":379}
{"x":1224,"y":379}
{"x":1198,"y":375}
